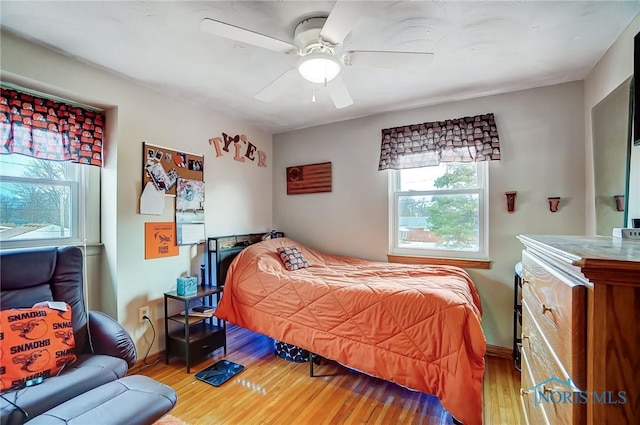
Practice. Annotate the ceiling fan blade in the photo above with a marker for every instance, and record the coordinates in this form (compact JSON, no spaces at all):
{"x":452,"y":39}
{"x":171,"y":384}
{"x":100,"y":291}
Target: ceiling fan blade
{"x":340,"y":21}
{"x":382,"y":59}
{"x":339,"y":93}
{"x":278,"y":86}
{"x":242,"y":35}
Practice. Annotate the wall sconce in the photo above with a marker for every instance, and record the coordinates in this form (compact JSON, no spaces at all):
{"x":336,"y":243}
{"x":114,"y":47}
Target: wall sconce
{"x":554,"y":201}
{"x":619,"y":202}
{"x":511,"y":201}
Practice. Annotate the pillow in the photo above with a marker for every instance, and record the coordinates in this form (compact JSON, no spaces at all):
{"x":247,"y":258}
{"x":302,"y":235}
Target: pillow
{"x":34,"y":343}
{"x":292,"y":258}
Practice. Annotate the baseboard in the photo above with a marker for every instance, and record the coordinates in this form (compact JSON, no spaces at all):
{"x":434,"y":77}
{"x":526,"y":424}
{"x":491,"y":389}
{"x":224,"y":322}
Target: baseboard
{"x":144,"y":363}
{"x":497,"y":351}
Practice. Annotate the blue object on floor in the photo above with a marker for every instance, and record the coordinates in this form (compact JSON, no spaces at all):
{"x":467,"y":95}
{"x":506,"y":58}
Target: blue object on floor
{"x":219,"y":373}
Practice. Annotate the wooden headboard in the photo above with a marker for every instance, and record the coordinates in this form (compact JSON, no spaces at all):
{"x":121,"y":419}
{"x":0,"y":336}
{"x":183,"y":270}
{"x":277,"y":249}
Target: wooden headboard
{"x":221,"y":250}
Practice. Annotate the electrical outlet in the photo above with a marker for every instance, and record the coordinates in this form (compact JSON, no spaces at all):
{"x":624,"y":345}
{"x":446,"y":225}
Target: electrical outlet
{"x":143,"y":311}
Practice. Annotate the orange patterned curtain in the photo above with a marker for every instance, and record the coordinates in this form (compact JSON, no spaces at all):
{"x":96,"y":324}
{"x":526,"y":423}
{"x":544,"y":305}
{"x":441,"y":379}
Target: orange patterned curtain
{"x":468,"y":139}
{"x":42,"y":128}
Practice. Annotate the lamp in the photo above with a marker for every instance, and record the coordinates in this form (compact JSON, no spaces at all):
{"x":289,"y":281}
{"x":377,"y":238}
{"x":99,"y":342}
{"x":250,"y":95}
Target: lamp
{"x":319,"y":67}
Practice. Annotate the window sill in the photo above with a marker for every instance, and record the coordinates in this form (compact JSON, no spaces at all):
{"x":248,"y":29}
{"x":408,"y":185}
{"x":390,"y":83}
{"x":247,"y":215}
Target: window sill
{"x":94,"y":248}
{"x":464,"y":263}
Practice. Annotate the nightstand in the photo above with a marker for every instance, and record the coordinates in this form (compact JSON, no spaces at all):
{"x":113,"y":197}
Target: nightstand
{"x":196,"y":336}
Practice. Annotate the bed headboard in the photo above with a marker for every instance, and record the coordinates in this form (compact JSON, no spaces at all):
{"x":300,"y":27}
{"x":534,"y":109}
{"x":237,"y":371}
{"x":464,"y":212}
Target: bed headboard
{"x":221,"y":250}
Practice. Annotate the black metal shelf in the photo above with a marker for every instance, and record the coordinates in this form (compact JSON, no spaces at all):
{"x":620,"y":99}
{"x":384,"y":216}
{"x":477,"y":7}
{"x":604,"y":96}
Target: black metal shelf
{"x":196,"y":336}
{"x":197,"y":331}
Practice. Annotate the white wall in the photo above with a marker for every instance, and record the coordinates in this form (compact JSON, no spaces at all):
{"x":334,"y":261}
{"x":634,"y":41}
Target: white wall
{"x":238,"y":195}
{"x":542,"y":138}
{"x":614,"y":68}
{"x":543,"y":133}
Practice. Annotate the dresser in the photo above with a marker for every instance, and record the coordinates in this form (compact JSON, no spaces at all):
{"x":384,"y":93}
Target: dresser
{"x":580,"y":334}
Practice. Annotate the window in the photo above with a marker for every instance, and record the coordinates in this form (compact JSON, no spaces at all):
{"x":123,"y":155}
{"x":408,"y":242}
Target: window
{"x":41,"y":201}
{"x":440,"y":211}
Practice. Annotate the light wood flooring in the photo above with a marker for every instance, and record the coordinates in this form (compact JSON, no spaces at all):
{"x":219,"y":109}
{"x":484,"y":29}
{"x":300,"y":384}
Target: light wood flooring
{"x":274,"y":391}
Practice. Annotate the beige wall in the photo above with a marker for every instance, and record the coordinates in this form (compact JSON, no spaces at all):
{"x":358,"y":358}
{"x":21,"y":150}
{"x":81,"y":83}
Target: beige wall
{"x":614,"y":68}
{"x":238,"y":195}
{"x":542,"y":139}
{"x":545,"y":133}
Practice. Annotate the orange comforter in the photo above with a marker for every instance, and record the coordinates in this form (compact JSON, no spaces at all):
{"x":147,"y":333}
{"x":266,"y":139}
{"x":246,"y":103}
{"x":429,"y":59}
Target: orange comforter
{"x":417,"y":326}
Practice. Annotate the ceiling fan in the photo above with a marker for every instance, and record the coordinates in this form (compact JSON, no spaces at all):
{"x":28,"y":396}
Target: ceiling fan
{"x":316,"y":40}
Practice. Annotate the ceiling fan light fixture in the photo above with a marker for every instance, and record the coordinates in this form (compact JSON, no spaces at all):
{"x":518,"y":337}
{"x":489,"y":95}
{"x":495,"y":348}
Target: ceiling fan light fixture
{"x":319,"y":67}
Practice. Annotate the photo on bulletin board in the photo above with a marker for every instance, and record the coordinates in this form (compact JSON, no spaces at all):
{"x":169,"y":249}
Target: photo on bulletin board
{"x":164,"y":166}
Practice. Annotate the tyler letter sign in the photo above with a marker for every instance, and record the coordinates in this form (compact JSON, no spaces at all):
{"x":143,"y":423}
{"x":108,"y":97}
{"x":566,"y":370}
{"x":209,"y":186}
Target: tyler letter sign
{"x":242,"y":148}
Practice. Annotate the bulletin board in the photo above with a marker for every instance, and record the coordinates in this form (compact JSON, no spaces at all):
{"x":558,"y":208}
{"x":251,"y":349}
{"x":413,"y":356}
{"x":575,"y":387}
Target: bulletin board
{"x":164,"y":166}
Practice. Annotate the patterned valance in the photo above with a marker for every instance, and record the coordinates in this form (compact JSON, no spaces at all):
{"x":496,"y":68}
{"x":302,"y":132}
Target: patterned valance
{"x":468,"y":139}
{"x":41,"y":128}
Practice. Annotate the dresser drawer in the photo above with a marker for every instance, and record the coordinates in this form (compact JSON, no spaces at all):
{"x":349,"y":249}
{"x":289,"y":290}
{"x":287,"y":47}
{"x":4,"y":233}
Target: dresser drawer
{"x":533,"y":413}
{"x":550,"y":379}
{"x":558,"y":305}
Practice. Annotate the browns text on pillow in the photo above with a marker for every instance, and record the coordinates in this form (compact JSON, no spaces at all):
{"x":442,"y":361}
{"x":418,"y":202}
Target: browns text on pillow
{"x":37,"y":343}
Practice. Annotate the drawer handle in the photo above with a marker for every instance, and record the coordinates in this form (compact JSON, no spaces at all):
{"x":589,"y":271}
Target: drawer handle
{"x":525,"y":281}
{"x":524,"y":336}
{"x":525,"y":392}
{"x":545,"y":309}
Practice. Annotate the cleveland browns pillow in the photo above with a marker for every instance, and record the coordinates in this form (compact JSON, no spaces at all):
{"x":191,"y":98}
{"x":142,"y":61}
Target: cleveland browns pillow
{"x":34,"y":343}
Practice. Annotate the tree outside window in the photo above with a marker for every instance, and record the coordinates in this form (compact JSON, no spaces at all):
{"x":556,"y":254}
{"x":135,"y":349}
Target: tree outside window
{"x":438,"y":210}
{"x":36,"y":198}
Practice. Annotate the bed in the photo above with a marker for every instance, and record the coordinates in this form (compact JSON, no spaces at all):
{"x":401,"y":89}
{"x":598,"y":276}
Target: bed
{"x":417,"y":326}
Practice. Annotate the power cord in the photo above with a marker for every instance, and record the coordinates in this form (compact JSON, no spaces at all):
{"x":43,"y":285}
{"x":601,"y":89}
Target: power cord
{"x":17,"y":388}
{"x":24,"y":412}
{"x":153,"y":329}
{"x":23,"y":385}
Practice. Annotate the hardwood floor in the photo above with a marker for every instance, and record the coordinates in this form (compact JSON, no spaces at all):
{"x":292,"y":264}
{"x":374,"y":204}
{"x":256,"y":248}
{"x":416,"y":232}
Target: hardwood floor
{"x":274,"y":391}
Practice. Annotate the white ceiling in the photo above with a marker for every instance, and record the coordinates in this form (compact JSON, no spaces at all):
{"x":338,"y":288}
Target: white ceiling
{"x":480,"y":47}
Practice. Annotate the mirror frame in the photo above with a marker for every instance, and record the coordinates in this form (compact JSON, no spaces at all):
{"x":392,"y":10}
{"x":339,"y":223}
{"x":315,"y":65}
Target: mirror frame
{"x":635,"y":94}
{"x":630,"y":143}
{"x":611,"y":126}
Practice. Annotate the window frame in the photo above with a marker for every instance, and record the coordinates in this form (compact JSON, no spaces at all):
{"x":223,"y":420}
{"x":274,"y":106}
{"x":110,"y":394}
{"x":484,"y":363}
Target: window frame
{"x":482,"y":189}
{"x":76,"y":181}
